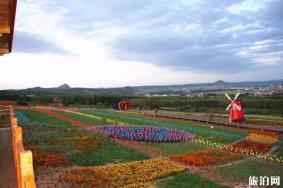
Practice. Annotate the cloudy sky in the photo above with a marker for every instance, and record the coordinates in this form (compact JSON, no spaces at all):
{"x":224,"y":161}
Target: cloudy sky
{"x":112,"y":43}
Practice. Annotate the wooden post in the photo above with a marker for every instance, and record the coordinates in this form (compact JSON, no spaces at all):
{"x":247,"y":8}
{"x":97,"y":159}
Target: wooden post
{"x":23,"y":159}
{"x":26,"y":169}
{"x":16,"y":135}
{"x":14,"y":122}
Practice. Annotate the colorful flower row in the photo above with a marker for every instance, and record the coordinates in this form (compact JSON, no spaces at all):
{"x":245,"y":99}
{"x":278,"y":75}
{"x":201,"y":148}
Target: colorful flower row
{"x":254,"y":149}
{"x":169,"y":124}
{"x":21,"y":117}
{"x":209,"y":143}
{"x":264,"y":132}
{"x":131,"y":174}
{"x":99,"y":117}
{"x":262,"y":138}
{"x":270,"y":157}
{"x":246,"y":146}
{"x":205,"y":158}
{"x":79,"y":143}
{"x":143,"y":133}
{"x":59,"y":116}
{"x":49,"y":159}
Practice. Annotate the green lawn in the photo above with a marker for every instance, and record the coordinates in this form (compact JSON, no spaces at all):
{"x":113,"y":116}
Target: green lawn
{"x":186,"y":180}
{"x":279,"y":151}
{"x":40,"y":117}
{"x":84,"y":119}
{"x":220,"y":140}
{"x":45,"y":133}
{"x":243,"y":170}
{"x":175,"y":148}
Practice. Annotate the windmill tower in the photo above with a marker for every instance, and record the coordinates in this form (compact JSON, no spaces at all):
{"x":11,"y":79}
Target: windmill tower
{"x":235,"y":109}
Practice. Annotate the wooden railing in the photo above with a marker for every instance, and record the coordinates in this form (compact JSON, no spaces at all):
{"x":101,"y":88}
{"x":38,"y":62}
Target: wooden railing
{"x":22,"y":157}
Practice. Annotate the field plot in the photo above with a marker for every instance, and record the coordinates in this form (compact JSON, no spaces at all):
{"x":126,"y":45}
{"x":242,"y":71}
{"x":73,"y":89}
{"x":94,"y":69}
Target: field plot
{"x":114,"y":149}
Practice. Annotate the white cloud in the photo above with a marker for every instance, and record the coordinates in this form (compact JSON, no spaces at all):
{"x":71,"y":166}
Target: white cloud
{"x":246,"y":6}
{"x":273,"y":60}
{"x":186,"y":28}
{"x":23,"y":70}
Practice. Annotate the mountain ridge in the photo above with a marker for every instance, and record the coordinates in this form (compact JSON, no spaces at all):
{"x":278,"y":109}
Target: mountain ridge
{"x":136,"y":90}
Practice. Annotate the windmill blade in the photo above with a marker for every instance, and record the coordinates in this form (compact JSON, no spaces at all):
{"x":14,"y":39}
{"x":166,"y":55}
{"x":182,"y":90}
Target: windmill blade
{"x":236,"y":96}
{"x":228,"y":96}
{"x":238,"y":107}
{"x":228,"y":107}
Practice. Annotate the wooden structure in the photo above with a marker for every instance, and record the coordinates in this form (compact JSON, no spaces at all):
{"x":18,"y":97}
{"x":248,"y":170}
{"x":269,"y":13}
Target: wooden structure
{"x":124,"y":105}
{"x":23,"y":158}
{"x":7,"y":22}
{"x":17,"y":165}
{"x":235,"y":109}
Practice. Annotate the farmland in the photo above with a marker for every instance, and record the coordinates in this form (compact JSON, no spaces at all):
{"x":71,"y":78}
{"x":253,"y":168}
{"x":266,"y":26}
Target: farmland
{"x":106,"y":148}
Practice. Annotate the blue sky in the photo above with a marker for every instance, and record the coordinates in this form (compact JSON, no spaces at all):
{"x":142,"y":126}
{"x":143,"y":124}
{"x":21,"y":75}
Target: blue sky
{"x":111,"y":43}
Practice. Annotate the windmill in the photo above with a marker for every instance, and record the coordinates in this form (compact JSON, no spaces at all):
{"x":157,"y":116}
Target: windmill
{"x":124,"y":105}
{"x":235,"y":109}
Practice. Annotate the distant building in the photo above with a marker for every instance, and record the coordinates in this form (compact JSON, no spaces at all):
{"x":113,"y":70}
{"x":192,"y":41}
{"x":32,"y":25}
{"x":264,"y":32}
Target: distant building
{"x":57,"y":102}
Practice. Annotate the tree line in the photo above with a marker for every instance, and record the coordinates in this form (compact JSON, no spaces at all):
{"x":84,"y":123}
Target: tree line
{"x":257,"y":105}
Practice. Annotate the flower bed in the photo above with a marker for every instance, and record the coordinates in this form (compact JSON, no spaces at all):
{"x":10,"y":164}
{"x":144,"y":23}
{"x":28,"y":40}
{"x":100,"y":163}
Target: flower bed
{"x":79,"y":143}
{"x":129,"y":119}
{"x":249,"y":147}
{"x":49,"y":159}
{"x":205,"y":158}
{"x":131,"y":174}
{"x":143,"y":133}
{"x":21,"y":117}
{"x":208,"y":143}
{"x":263,"y":136}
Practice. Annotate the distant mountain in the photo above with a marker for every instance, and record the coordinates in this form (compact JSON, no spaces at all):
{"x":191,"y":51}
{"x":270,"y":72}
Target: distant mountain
{"x":66,"y":89}
{"x":220,"y":84}
{"x":141,"y":90}
{"x":64,"y":86}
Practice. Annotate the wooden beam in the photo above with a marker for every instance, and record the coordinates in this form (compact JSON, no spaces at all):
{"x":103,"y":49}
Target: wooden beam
{"x":12,"y":16}
{"x":4,"y":42}
{"x":4,"y":27}
{"x":4,"y":45}
{"x":4,"y":18}
{"x":4,"y":38}
{"x":4,"y":51}
{"x":7,"y":21}
{"x":4,"y":2}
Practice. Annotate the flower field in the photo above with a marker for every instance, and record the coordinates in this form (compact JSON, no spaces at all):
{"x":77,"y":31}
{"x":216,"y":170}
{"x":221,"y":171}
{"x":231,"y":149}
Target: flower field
{"x":249,"y":147}
{"x":21,"y":117}
{"x":263,"y":136}
{"x":79,"y":143}
{"x":143,"y":133}
{"x":113,"y":149}
{"x":205,"y":158}
{"x":49,"y":159}
{"x":181,"y":125}
{"x":131,"y":174}
{"x":63,"y":118}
